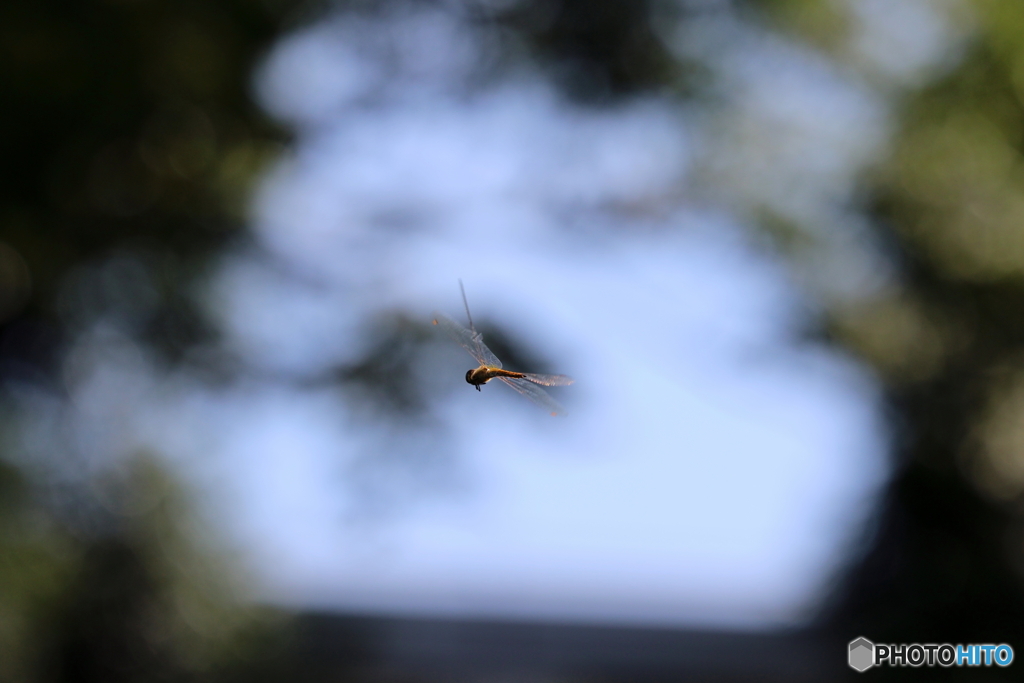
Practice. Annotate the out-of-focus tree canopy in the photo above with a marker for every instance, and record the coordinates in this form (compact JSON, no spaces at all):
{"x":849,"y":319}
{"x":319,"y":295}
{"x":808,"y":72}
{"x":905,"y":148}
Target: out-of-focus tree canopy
{"x":947,"y":202}
{"x":131,"y":142}
{"x":128,"y":131}
{"x":128,"y":126}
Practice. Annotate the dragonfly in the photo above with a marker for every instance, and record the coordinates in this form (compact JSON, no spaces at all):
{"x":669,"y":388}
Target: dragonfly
{"x":490,"y":367}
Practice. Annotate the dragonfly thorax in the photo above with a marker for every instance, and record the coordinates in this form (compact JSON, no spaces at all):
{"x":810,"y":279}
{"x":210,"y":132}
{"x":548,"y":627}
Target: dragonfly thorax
{"x":478,"y":376}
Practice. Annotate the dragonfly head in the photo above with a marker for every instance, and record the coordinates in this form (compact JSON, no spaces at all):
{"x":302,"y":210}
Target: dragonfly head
{"x":476,"y":377}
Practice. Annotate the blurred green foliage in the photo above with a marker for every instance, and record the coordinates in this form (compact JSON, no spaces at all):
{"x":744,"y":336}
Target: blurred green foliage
{"x":596,"y":51}
{"x":946,"y":559}
{"x":132,"y":589}
{"x":954,"y":187}
{"x":128,"y":130}
{"x":822,"y":23}
{"x":128,"y":124}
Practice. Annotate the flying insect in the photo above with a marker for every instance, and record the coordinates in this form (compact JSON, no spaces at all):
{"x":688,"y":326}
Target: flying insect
{"x":490,"y":367}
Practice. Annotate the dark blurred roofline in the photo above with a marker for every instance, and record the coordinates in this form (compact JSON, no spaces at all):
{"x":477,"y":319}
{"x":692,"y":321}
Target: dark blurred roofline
{"x":341,"y":647}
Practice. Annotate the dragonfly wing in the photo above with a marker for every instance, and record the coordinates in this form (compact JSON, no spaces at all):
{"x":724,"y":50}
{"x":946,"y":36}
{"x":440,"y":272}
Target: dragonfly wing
{"x":535,"y":394}
{"x":550,"y":380}
{"x":467,"y":339}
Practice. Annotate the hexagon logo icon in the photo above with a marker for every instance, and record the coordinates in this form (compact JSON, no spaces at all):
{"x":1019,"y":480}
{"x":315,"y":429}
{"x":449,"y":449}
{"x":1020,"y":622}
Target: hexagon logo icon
{"x":862,"y":654}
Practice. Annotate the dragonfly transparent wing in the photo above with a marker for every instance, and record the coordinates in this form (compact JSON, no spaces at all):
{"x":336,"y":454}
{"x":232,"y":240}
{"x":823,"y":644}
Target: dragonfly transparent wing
{"x":467,"y":339}
{"x":550,"y":380}
{"x":535,"y":394}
